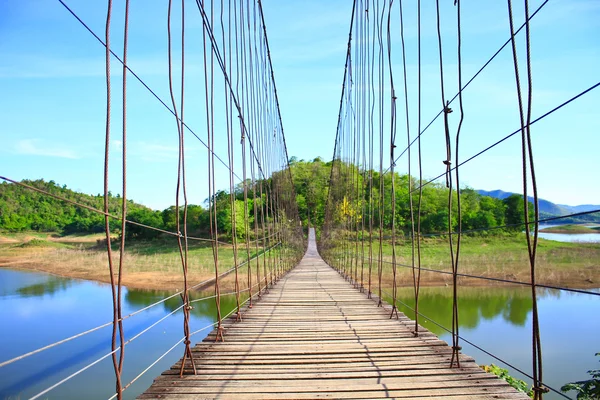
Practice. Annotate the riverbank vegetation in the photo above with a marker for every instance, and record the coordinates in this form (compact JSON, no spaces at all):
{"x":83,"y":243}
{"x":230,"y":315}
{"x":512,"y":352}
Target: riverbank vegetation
{"x":149,"y":264}
{"x":502,"y":257}
{"x":155,"y":264}
{"x":45,"y":233}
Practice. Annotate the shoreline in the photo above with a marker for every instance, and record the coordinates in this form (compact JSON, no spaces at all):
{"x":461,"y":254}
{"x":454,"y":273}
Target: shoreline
{"x":153,"y":281}
{"x":156,"y":265}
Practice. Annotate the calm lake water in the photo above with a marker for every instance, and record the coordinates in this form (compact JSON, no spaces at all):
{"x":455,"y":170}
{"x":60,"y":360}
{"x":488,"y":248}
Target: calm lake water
{"x":38,"y":309}
{"x":569,"y":237}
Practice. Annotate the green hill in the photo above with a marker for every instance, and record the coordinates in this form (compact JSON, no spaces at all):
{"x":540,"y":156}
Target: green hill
{"x":22,"y":209}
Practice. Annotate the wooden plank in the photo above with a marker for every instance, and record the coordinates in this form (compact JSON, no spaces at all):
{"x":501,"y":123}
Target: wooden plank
{"x":314,"y":335}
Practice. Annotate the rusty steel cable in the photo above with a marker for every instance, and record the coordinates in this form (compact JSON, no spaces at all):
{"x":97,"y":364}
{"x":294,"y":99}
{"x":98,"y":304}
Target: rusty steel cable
{"x":502,"y":280}
{"x":123,"y":201}
{"x":449,"y":184}
{"x":173,"y":347}
{"x":271,"y":149}
{"x":455,"y":321}
{"x":199,"y":285}
{"x":380,"y":78}
{"x":529,"y":169}
{"x":371,"y":104}
{"x":115,"y":292}
{"x":100,"y":212}
{"x":209,"y":109}
{"x":433,"y":321}
{"x":479,"y":71}
{"x":137,"y":77}
{"x":515,"y":132}
{"x":130,"y":340}
{"x":208,"y":23}
{"x":420,"y":166}
{"x":231,"y":157}
{"x":392,"y":166}
{"x":416,"y":282}
{"x":180,"y":182}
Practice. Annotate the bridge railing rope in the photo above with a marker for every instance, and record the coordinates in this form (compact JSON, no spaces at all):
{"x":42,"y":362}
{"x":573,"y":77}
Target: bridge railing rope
{"x":362,"y":200}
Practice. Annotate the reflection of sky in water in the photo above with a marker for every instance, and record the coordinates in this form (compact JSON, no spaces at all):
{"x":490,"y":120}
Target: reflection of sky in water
{"x":572,"y":237}
{"x":499,"y":320}
{"x":40,"y":309}
{"x":569,"y":237}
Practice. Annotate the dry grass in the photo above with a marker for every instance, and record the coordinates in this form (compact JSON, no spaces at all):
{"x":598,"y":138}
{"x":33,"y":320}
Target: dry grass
{"x":147,"y":265}
{"x":502,"y":257}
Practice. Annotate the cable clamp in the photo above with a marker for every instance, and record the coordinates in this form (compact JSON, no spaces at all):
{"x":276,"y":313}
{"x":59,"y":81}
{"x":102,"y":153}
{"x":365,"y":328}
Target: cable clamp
{"x":459,"y":348}
{"x":447,"y":109}
{"x":540,"y":389}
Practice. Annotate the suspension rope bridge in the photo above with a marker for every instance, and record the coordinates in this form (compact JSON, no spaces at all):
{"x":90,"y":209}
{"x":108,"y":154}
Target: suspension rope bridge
{"x":303,"y":326}
{"x":315,"y":336}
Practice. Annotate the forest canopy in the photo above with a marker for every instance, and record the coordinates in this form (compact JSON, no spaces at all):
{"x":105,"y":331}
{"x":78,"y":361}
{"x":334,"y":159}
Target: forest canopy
{"x":22,"y":209}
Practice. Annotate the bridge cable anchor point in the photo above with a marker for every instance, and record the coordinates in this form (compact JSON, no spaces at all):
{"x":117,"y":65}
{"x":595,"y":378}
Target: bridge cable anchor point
{"x":540,"y":389}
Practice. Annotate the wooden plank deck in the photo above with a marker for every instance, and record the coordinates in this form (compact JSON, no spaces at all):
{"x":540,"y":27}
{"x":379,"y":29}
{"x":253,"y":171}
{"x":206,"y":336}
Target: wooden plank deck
{"x":315,"y":336}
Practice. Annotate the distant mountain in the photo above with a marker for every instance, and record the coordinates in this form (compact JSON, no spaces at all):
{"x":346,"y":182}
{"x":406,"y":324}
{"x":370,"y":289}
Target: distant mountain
{"x":549,"y":209}
{"x":581,"y":208}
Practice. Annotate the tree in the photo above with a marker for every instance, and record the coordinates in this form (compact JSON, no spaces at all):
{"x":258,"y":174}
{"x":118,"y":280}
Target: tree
{"x":588,"y":389}
{"x":515,"y":212}
{"x":147,"y":217}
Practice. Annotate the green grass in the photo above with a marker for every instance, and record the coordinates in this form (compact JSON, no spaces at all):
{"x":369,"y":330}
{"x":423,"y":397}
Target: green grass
{"x":571,"y":229}
{"x":149,"y":264}
{"x":502,"y":256}
{"x":39,"y":243}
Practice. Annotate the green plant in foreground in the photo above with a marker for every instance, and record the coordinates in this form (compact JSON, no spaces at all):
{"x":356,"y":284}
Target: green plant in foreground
{"x":502,"y":373}
{"x":588,"y":389}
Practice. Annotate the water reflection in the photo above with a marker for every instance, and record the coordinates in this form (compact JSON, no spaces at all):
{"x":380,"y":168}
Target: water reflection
{"x":29,"y":284}
{"x":42,"y":309}
{"x":511,"y":305}
{"x":205,"y":307}
{"x":51,"y":286}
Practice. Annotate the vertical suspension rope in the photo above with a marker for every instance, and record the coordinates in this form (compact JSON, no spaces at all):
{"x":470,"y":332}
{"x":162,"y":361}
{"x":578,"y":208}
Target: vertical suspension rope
{"x":527,"y":155}
{"x":181,"y":183}
{"x":117,"y":323}
{"x":230,"y":154}
{"x":364,"y":71}
{"x":124,"y":195}
{"x":246,"y":219}
{"x":356,"y":116}
{"x":214,"y":234}
{"x":392,"y":159}
{"x":455,"y":326}
{"x":447,"y":162}
{"x":371,"y":103}
{"x":381,"y":177}
{"x":409,"y":155}
{"x":417,"y":274}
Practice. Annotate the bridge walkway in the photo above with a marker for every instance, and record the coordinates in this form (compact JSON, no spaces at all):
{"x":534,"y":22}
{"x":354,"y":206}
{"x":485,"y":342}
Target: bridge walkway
{"x":315,"y":336}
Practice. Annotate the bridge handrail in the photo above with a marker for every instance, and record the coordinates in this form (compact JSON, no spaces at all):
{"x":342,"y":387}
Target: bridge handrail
{"x":74,"y":374}
{"x":475,"y":345}
{"x":179,"y":342}
{"x":203,"y":283}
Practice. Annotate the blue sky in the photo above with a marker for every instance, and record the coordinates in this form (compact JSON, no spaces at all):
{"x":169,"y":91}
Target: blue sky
{"x":53,"y":93}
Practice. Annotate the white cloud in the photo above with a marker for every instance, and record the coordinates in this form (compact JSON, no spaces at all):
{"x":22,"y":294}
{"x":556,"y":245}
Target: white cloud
{"x":35,"y":147}
{"x":157,"y":152}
